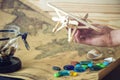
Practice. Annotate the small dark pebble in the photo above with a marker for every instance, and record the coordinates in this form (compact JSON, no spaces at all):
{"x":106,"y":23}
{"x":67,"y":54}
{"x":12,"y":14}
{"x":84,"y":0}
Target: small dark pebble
{"x":68,"y":67}
{"x":95,"y":68}
{"x":85,"y":62}
{"x":56,"y":68}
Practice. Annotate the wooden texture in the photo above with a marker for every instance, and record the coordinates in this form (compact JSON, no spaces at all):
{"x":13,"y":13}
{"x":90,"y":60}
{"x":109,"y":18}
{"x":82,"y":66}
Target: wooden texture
{"x":88,"y":8}
{"x":107,"y":9}
{"x":107,"y":70}
{"x":34,"y":5}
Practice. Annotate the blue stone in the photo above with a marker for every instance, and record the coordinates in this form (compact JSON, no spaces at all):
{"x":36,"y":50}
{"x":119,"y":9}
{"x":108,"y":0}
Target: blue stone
{"x":56,"y":68}
{"x":79,"y":69}
{"x":68,"y":67}
{"x":95,"y":68}
{"x":77,"y":65}
{"x":90,"y":65}
{"x":64,"y":73}
{"x":106,"y":63}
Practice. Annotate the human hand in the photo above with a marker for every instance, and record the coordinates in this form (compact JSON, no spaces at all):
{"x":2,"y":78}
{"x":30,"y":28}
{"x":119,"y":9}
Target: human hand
{"x":107,"y":37}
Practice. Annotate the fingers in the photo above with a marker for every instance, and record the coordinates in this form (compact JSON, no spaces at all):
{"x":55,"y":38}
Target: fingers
{"x":76,"y":36}
{"x":82,"y":35}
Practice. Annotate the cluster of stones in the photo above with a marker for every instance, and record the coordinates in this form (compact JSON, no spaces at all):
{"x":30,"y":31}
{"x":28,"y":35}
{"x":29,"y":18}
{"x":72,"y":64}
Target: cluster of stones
{"x":82,"y":66}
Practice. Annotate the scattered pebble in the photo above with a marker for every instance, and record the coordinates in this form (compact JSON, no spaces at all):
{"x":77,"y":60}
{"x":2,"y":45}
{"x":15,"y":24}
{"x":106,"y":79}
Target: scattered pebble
{"x":56,"y":68}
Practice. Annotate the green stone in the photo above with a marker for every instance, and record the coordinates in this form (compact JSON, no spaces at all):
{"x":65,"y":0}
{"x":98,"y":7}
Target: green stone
{"x":102,"y":66}
{"x":56,"y":75}
{"x":84,"y":66}
{"x":98,"y":64}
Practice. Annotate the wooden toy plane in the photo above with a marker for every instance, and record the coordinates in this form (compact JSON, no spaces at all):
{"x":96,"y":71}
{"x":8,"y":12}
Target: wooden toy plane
{"x":70,"y":21}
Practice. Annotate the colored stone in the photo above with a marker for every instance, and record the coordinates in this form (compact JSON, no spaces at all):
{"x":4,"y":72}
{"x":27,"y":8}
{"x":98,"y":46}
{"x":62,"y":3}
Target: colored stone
{"x":106,"y":63}
{"x":68,"y":67}
{"x":102,"y":66}
{"x":64,"y":73}
{"x":98,"y":64}
{"x":73,"y":74}
{"x":79,"y":69}
{"x":56,"y":75}
{"x":56,"y":68}
{"x":84,"y":66}
{"x":90,"y":65}
{"x":95,"y":68}
{"x":77,"y":65}
{"x":74,"y":63}
{"x":85,"y":62}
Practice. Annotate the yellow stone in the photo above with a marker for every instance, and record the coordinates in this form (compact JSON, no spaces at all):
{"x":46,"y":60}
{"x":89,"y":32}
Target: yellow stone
{"x":73,"y":74}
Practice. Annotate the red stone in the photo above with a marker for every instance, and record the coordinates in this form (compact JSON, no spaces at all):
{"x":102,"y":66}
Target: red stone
{"x":74,"y":63}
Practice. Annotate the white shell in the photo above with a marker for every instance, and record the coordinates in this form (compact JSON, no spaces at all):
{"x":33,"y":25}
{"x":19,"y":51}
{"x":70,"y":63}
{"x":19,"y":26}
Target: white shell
{"x":109,"y":59}
{"x":95,"y":53}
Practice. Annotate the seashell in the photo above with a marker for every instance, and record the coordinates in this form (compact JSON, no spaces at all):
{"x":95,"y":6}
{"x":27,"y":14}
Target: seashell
{"x":94,"y":54}
{"x":109,"y":59}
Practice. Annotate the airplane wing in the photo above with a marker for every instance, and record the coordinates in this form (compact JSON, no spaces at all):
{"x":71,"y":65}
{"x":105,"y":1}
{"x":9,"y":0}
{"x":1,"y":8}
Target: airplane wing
{"x":70,"y":15}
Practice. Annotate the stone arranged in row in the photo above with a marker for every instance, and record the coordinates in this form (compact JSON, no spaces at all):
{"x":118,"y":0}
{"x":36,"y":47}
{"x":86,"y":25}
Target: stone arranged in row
{"x":65,"y":73}
{"x":70,"y":70}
